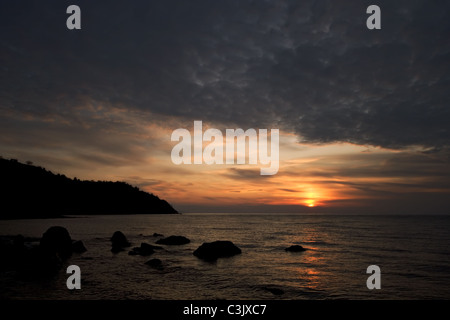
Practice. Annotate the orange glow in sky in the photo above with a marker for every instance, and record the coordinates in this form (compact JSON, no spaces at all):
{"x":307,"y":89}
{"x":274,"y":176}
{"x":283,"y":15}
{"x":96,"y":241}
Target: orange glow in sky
{"x":339,"y":175}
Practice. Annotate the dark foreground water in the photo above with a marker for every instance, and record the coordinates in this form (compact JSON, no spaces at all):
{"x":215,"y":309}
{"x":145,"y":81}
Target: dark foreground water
{"x":413,"y":253}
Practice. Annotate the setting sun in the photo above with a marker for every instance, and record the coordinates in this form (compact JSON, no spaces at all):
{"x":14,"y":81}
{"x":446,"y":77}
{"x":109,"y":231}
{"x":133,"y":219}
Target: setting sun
{"x":310,"y":203}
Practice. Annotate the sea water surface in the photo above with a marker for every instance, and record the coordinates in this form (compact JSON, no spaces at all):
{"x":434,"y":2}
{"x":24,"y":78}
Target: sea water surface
{"x":413,"y":253}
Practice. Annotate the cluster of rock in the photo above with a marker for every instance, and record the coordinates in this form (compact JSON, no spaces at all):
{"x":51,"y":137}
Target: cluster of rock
{"x":207,"y":251}
{"x":34,"y":257}
{"x":46,"y":256}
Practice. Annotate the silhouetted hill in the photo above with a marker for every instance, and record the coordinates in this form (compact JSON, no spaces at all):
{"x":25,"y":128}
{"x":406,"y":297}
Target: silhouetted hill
{"x":28,"y":191}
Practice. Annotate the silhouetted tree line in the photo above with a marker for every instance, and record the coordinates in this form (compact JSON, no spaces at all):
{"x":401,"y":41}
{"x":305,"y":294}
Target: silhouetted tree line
{"x":33,"y":192}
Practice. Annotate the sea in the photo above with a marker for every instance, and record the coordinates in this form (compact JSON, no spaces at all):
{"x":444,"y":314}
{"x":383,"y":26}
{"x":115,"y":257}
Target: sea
{"x":412,"y":253}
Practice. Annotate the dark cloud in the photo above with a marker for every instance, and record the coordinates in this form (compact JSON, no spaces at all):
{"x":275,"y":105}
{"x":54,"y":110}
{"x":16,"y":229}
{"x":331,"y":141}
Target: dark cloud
{"x":289,"y":190}
{"x":142,"y":183}
{"x":309,"y":67}
{"x":249,"y":175}
{"x":404,"y":165}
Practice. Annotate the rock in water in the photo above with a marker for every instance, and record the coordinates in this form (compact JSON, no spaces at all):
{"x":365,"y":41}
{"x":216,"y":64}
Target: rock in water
{"x":213,"y":250}
{"x":144,"y":250}
{"x":119,"y":241}
{"x":12,"y":252}
{"x":174,"y":240}
{"x":295,"y":248}
{"x":78,"y":247}
{"x":274,"y":291}
{"x":155,"y":263}
{"x":57,"y":240}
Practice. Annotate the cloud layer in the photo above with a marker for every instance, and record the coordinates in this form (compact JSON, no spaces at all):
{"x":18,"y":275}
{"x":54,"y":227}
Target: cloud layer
{"x":309,"y":67}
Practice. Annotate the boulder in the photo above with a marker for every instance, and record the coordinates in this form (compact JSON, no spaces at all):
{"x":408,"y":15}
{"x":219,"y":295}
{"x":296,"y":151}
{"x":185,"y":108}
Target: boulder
{"x":45,"y":263}
{"x":19,"y":242}
{"x":274,"y":291}
{"x":12,"y":250}
{"x":57,"y":240}
{"x":295,"y":248}
{"x":158,"y":235}
{"x":78,"y":247}
{"x":117,"y":249}
{"x":154,"y":263}
{"x":119,"y":242}
{"x":144,"y":250}
{"x":118,"y":239}
{"x":174,"y":240}
{"x":156,"y":247}
{"x":213,"y":250}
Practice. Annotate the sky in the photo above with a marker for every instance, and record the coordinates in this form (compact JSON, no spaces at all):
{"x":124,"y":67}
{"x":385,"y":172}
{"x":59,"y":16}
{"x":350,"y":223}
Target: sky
{"x":363,"y":114}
